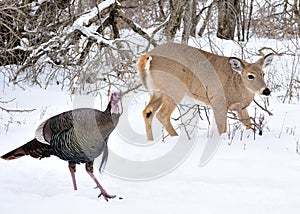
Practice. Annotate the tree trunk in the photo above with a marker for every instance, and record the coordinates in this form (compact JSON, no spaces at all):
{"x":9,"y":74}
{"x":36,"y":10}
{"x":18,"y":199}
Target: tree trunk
{"x":228,"y":11}
{"x":176,"y":11}
{"x":296,"y":10}
{"x":194,"y":18}
{"x":205,"y":21}
{"x":187,"y":22}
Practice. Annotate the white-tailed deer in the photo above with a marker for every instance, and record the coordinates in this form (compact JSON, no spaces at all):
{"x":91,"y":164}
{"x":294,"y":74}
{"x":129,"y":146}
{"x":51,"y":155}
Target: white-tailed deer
{"x":170,"y":71}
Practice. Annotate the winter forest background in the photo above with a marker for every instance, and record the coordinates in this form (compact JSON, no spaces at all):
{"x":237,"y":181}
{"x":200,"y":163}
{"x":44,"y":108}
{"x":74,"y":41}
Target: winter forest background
{"x":51,"y":50}
{"x":90,"y":46}
{"x":77,"y":42}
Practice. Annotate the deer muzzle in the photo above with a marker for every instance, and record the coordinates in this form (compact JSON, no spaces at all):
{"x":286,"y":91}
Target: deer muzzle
{"x":266,"y":92}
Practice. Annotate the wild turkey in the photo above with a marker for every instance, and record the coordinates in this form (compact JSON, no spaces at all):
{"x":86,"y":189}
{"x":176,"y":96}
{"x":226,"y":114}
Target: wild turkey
{"x":77,"y":136}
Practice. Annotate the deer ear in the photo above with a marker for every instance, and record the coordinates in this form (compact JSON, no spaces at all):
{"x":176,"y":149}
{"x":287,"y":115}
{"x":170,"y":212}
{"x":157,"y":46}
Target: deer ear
{"x":268,"y":59}
{"x":236,"y":64}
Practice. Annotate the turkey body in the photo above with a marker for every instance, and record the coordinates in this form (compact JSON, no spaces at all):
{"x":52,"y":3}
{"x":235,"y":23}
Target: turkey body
{"x":77,"y":136}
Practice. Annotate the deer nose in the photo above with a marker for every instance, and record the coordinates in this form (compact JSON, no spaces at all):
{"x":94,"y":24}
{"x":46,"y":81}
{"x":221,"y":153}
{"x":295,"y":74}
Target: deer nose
{"x":266,"y":92}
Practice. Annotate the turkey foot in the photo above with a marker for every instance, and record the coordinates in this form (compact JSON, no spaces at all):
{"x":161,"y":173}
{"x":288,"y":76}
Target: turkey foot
{"x":103,"y":192}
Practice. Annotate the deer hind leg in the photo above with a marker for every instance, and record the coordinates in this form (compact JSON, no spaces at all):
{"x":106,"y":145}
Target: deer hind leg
{"x":244,"y":118}
{"x":164,"y":114}
{"x":149,"y":112}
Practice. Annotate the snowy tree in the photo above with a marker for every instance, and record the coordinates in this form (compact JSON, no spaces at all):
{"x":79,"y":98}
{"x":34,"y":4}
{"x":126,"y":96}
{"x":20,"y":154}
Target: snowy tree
{"x":75,"y":42}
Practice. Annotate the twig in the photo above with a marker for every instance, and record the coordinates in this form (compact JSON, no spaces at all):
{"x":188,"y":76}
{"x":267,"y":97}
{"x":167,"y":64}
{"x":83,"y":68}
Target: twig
{"x":16,"y":110}
{"x":135,"y":27}
{"x":131,"y":89}
{"x":297,"y":147}
{"x":264,"y":109}
{"x":7,"y":101}
{"x":282,"y":125}
{"x":260,"y":51}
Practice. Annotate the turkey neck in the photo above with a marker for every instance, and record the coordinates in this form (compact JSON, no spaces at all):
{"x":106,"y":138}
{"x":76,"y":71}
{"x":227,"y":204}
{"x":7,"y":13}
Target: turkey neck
{"x":106,"y":123}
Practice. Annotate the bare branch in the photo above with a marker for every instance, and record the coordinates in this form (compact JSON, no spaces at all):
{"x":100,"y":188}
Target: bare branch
{"x":263,"y":108}
{"x":135,"y":27}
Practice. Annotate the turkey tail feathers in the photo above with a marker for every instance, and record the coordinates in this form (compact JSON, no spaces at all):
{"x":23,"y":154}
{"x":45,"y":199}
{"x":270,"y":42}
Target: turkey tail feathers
{"x":34,"y":148}
{"x":17,"y":153}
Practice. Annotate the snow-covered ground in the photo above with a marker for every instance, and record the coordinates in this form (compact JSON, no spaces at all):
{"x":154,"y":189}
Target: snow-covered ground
{"x":248,"y":176}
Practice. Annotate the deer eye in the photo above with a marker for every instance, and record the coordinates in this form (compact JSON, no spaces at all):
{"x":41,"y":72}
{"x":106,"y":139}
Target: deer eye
{"x":251,"y":77}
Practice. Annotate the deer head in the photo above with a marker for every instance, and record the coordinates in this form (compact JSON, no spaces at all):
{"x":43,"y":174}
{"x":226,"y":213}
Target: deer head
{"x":252,"y":74}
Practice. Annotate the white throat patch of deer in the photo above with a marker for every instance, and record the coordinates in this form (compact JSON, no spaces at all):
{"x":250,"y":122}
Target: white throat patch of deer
{"x":224,"y":83}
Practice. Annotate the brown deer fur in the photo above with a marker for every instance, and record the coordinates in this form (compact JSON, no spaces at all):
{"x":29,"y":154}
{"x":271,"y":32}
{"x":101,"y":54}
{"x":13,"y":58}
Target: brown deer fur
{"x":171,"y":71}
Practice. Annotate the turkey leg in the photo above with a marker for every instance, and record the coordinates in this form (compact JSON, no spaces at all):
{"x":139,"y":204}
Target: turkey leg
{"x":72,"y":168}
{"x":89,"y":168}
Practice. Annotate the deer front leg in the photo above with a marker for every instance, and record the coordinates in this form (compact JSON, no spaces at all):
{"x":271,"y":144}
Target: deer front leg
{"x":149,"y":112}
{"x":244,"y":118}
{"x":164,"y":114}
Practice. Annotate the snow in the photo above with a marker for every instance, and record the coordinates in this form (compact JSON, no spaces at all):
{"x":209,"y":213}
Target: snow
{"x":244,"y":176}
